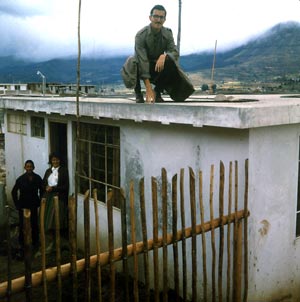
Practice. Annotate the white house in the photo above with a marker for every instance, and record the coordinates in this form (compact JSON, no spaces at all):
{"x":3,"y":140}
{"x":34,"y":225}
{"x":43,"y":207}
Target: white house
{"x":12,"y":88}
{"x":140,"y":139}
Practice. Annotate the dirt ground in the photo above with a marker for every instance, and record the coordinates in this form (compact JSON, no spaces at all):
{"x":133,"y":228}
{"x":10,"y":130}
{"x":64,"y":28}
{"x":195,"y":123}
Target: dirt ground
{"x":17,"y":269}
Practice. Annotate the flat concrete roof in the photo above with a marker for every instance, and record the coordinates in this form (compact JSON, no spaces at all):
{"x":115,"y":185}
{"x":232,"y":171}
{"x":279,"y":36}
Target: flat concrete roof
{"x":230,"y":111}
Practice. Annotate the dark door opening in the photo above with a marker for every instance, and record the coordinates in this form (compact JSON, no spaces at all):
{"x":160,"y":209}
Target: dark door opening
{"x":58,"y":141}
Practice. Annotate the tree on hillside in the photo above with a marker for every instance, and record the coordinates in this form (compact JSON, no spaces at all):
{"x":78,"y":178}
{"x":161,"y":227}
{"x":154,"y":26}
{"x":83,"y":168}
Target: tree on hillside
{"x":204,"y":87}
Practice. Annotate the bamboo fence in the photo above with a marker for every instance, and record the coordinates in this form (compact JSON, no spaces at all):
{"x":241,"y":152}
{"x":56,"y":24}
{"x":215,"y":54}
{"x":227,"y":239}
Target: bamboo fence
{"x":173,"y":261}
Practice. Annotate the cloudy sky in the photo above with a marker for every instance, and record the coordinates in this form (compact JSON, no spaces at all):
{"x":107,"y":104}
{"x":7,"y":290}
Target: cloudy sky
{"x":45,"y":29}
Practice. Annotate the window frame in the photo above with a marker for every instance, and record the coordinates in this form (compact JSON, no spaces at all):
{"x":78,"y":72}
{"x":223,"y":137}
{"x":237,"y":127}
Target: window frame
{"x":34,"y":127}
{"x":17,"y":123}
{"x":91,"y":165}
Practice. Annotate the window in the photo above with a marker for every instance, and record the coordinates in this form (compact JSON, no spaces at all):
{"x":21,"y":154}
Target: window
{"x":99,"y":161}
{"x":16,"y":123}
{"x":37,"y":126}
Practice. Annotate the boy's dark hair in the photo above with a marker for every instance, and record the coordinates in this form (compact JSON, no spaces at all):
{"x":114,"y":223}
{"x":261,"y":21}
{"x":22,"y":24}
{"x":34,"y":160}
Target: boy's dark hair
{"x":158,"y":7}
{"x":29,"y":161}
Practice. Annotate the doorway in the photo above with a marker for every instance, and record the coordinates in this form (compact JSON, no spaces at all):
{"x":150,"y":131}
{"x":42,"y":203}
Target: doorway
{"x":58,"y":140}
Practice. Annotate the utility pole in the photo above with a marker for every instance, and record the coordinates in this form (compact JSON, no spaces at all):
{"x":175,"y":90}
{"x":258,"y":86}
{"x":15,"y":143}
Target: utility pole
{"x":213,"y":69}
{"x":179,"y":26}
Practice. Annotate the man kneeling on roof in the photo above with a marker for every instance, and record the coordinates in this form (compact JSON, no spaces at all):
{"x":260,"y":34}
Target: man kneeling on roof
{"x":156,"y":62}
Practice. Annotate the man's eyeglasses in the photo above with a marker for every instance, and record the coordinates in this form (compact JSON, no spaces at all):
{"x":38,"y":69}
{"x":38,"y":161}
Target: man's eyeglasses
{"x":158,"y":17}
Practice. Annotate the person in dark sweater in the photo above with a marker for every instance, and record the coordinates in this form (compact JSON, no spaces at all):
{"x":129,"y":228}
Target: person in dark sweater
{"x":26,"y":194}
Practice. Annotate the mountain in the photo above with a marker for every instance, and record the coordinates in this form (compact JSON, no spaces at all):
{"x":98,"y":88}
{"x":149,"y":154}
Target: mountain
{"x":273,"y":54}
{"x":93,"y":71}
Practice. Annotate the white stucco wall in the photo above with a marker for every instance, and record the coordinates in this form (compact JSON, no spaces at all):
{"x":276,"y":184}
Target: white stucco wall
{"x":273,"y":249}
{"x":146,"y":147}
{"x":103,"y":226}
{"x":273,"y":154}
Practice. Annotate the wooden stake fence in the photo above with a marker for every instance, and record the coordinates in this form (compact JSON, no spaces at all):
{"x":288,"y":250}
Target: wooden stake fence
{"x":183,"y":239}
{"x":73,"y":247}
{"x":27,"y":255}
{"x":98,"y":248}
{"x":145,"y":239}
{"x":200,"y":256}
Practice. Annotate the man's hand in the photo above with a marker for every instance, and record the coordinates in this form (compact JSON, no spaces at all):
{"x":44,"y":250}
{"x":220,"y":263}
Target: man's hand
{"x":160,"y":63}
{"x":150,"y":95}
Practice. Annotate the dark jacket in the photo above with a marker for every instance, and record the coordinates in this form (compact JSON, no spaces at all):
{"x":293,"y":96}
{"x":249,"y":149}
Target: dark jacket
{"x":27,"y":193}
{"x":62,"y":188}
{"x":149,"y":46}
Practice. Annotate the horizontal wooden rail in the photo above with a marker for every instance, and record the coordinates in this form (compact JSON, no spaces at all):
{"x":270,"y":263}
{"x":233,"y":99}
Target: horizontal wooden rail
{"x":17,"y":285}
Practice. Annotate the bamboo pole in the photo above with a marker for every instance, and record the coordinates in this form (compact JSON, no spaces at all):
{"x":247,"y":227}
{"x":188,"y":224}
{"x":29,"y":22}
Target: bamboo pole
{"x":235,"y":234}
{"x":155,"y":238}
{"x":77,"y":147}
{"x":77,"y":142}
{"x":221,"y":244}
{"x":213,"y":245}
{"x":73,"y":245}
{"x":87,"y":270}
{"x":43,"y":247}
{"x":203,"y":237}
{"x":98,"y":248}
{"x":57,"y":245}
{"x":27,"y":254}
{"x":246,"y":233}
{"x":194,"y":240}
{"x":165,"y":232}
{"x":175,"y":241}
{"x":9,"y":258}
{"x":110,"y":223}
{"x":133,"y":240}
{"x":229,"y":235}
{"x":124,"y":243}
{"x":145,"y":239}
{"x":183,"y":239}
{"x":18,"y":283}
{"x":238,"y":259}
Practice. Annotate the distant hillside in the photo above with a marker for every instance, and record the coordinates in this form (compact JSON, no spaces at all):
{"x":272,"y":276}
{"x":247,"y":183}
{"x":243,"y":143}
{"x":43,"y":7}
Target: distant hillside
{"x":93,"y":71}
{"x":275,"y":53}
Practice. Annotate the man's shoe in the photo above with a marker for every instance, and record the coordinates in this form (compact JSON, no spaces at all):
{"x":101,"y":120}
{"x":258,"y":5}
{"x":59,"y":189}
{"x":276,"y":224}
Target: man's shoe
{"x":139,"y":98}
{"x":159,"y":99}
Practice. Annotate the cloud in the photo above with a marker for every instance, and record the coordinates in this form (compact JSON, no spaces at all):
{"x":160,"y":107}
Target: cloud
{"x":27,"y":8}
{"x":45,"y":29}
